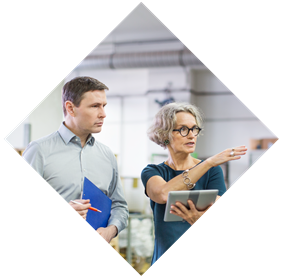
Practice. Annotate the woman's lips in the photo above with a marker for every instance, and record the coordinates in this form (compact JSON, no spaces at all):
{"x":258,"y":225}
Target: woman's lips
{"x":190,"y":144}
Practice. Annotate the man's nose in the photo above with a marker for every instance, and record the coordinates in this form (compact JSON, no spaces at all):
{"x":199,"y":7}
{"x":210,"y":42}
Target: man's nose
{"x":102,"y":113}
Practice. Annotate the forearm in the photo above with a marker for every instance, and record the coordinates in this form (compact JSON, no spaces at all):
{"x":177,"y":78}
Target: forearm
{"x":197,"y":172}
{"x":177,"y":184}
{"x":157,"y":189}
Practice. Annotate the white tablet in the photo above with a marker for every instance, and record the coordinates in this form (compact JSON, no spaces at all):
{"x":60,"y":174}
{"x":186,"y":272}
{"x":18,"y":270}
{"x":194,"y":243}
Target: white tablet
{"x":201,"y":198}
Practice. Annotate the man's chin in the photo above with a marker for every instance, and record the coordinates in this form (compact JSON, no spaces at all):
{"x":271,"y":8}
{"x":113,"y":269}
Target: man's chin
{"x":97,"y":130}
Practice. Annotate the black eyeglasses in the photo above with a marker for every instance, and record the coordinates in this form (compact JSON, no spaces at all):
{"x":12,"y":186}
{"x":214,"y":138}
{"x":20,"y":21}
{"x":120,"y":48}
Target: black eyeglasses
{"x":184,"y":130}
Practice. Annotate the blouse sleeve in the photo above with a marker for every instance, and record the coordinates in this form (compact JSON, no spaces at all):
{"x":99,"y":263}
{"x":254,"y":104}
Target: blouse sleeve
{"x":149,"y":171}
{"x":216,"y":180}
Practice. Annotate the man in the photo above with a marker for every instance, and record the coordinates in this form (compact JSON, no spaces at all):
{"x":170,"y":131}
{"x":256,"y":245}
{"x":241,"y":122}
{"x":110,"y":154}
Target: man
{"x":66,"y":156}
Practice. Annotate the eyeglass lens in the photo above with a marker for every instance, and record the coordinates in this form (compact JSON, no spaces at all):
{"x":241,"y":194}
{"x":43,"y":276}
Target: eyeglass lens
{"x":185,"y":130}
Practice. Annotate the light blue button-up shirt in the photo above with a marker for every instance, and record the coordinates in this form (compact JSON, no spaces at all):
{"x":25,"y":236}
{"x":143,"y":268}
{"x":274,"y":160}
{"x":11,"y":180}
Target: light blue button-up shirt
{"x":61,"y":160}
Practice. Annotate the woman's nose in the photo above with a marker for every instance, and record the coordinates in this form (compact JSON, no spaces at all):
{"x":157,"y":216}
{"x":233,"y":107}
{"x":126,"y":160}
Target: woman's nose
{"x":190,"y":134}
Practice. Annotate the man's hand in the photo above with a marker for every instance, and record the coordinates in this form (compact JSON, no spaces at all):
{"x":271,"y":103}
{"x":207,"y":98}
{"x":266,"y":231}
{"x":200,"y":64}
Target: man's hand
{"x":191,"y":216}
{"x":81,"y":209}
{"x":108,"y":233}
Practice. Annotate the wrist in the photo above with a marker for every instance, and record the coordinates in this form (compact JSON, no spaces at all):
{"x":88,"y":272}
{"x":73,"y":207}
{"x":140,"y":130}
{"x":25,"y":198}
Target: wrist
{"x":209,"y":162}
{"x":113,"y":230}
{"x":187,"y":180}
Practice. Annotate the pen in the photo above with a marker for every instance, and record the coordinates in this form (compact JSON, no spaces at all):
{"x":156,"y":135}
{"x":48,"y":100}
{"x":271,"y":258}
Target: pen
{"x":91,"y":208}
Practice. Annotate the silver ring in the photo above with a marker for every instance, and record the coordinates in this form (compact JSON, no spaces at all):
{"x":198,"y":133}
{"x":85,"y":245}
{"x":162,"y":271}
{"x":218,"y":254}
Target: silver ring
{"x":232,"y":154}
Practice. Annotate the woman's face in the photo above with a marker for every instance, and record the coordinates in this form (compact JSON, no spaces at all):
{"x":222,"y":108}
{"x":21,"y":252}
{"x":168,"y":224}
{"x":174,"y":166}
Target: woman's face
{"x":180,"y":144}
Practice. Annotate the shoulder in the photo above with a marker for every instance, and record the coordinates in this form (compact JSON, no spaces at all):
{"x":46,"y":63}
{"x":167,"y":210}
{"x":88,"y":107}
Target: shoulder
{"x":215,"y":173}
{"x":155,"y":167}
{"x":33,"y":149}
{"x":104,"y":150}
{"x":38,"y":150}
{"x":216,"y":180}
{"x":46,"y":139}
{"x":215,"y":176}
{"x":42,"y":142}
{"x":216,"y":170}
{"x":154,"y":170}
{"x":102,"y":147}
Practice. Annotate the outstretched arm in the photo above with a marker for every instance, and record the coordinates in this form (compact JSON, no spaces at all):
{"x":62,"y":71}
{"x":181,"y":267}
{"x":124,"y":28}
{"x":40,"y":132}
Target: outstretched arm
{"x":157,"y":188}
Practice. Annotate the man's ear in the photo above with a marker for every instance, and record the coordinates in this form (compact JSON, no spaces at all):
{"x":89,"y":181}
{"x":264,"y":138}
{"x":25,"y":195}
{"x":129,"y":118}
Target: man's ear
{"x":70,"y":108}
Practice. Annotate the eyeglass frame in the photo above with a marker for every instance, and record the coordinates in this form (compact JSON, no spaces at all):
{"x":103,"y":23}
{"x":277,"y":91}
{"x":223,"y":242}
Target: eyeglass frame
{"x":189,"y":129}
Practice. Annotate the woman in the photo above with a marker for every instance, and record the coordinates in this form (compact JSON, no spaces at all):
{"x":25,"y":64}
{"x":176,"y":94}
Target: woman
{"x":176,"y":127}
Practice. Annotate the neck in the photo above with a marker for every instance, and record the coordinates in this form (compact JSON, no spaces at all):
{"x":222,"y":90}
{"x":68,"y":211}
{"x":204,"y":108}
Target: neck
{"x":180,"y":162}
{"x":73,"y":128}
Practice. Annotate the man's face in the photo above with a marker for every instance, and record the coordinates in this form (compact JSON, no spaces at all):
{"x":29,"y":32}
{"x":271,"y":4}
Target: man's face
{"x":90,"y":114}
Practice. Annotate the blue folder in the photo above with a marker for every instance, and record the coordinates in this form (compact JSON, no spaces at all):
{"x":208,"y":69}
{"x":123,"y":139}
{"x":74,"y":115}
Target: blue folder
{"x":97,"y":200}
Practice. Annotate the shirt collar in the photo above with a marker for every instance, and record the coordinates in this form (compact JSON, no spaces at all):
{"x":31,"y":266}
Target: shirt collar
{"x":90,"y":140}
{"x":67,"y":135}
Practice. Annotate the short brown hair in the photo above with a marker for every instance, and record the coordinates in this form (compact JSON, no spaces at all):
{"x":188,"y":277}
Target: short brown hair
{"x":75,"y":88}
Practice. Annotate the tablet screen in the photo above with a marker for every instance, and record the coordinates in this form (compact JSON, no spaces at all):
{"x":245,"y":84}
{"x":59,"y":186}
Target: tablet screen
{"x":201,"y":198}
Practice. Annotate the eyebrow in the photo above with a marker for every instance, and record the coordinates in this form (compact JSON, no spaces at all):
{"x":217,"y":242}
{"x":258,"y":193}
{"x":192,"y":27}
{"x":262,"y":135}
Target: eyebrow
{"x":98,"y":103}
{"x":186,"y":125}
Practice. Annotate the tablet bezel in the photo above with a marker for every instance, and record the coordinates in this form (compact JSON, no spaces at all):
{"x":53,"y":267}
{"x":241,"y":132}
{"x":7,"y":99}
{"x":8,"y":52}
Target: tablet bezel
{"x":201,"y":198}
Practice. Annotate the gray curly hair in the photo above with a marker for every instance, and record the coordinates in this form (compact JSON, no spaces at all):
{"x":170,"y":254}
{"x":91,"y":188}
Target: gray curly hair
{"x":165,"y":121}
